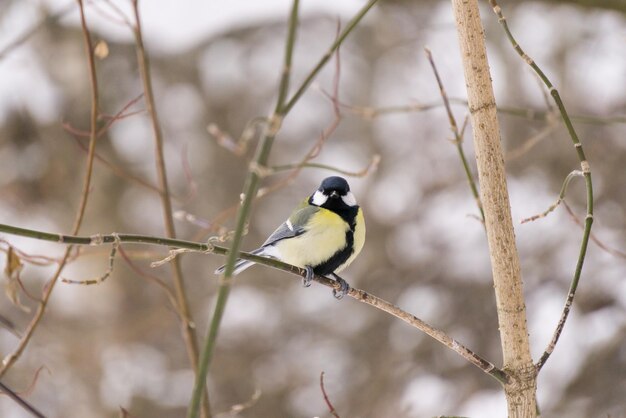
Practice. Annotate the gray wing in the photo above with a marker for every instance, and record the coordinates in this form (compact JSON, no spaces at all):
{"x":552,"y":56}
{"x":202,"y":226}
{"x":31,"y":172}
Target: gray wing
{"x":292,"y":227}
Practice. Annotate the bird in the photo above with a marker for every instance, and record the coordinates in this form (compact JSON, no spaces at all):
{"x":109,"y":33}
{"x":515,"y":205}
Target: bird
{"x":323,"y":235}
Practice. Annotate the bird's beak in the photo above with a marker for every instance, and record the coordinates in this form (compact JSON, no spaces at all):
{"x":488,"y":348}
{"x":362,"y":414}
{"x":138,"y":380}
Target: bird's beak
{"x":334,"y":194}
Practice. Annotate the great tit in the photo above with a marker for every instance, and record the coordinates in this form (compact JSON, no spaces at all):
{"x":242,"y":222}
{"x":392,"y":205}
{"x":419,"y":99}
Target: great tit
{"x":323,"y":235}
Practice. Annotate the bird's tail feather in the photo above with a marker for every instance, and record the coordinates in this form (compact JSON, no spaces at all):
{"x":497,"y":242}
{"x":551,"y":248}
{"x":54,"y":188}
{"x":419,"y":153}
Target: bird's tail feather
{"x":240,"y":264}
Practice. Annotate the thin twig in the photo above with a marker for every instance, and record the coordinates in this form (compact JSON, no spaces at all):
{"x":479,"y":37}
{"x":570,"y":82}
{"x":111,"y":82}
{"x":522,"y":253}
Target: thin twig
{"x":322,"y":62}
{"x":26,"y":292}
{"x":239,"y":146}
{"x":10,"y":359}
{"x":331,"y":407}
{"x":613,"y":251}
{"x":371,"y":166}
{"x":317,"y":147}
{"x":458,"y":137}
{"x":296,"y":168}
{"x":29,"y":389}
{"x":207,"y":248}
{"x":9,"y":326}
{"x":121,"y":114}
{"x":118,"y":171}
{"x":217,"y":221}
{"x":37,"y":260}
{"x":188,"y":331}
{"x":568,"y":179}
{"x":120,"y":19}
{"x":102,"y":277}
{"x":21,"y":402}
{"x":53,"y":17}
{"x":326,"y":133}
{"x":124,"y":413}
{"x":371,"y":112}
{"x":150,"y":277}
{"x":585,"y":168}
{"x":240,"y":407}
{"x":314,"y":151}
{"x":191,"y":181}
{"x":528,"y":144}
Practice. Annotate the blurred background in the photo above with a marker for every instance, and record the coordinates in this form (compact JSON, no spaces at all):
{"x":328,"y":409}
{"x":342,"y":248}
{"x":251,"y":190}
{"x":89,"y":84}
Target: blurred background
{"x":118,"y":344}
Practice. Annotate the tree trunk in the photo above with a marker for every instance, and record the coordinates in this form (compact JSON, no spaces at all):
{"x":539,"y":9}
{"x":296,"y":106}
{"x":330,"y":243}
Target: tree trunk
{"x":521,"y":389}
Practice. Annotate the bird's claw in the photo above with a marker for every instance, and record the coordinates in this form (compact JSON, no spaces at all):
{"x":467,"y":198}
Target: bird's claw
{"x":306,"y":281}
{"x":343,"y":290}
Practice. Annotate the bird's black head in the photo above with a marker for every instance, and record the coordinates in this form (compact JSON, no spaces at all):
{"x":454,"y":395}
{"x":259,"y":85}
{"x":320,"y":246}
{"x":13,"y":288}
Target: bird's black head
{"x":334,"y":193}
{"x":335,"y":184}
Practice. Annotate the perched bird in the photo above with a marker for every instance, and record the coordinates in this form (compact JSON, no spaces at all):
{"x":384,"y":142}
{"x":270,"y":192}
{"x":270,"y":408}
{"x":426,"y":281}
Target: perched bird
{"x":323,"y":235}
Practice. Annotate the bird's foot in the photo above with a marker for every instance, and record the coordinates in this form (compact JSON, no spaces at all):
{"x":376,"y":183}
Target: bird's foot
{"x":344,"y":287}
{"x":306,"y":281}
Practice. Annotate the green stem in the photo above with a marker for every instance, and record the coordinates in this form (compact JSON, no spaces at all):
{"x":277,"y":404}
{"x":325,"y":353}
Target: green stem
{"x":99,"y":239}
{"x":250,"y":190}
{"x":326,"y":57}
{"x":586,"y":170}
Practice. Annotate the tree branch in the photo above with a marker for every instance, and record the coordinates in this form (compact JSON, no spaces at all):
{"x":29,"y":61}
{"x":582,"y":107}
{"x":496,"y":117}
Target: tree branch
{"x":21,"y":402}
{"x":458,"y":136}
{"x":505,"y":265}
{"x":10,"y":359}
{"x":188,"y":331}
{"x":208,"y":248}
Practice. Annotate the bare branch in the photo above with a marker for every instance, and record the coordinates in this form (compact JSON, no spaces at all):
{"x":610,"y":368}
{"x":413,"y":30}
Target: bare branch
{"x":530,"y":142}
{"x":505,"y":263}
{"x":240,"y":407}
{"x":613,"y":251}
{"x":188,"y":330}
{"x":29,"y":389}
{"x":10,"y":359}
{"x":21,"y":402}
{"x":101,"y":278}
{"x":149,"y":277}
{"x":458,"y":136}
{"x":568,"y":179}
{"x":331,"y":408}
{"x":205,"y":247}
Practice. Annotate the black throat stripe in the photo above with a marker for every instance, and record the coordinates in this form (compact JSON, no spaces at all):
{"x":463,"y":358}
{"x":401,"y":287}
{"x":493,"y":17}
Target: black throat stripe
{"x":339,"y":257}
{"x":348,"y":214}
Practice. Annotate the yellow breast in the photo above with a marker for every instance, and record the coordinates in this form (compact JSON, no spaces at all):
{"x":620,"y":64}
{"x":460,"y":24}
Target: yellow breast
{"x":325,"y":235}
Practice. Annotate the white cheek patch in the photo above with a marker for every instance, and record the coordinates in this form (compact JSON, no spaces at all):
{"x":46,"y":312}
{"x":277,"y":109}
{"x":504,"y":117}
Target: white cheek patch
{"x":319,"y":198}
{"x":349,"y":199}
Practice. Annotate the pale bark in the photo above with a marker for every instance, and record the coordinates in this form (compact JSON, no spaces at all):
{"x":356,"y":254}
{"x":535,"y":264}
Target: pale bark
{"x":521,"y":389}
